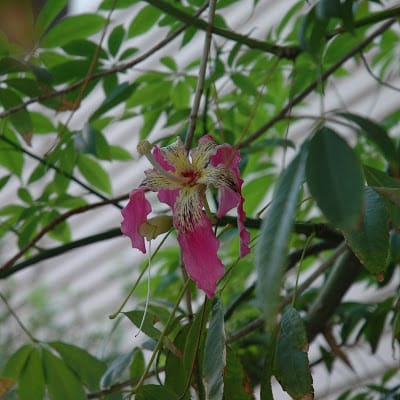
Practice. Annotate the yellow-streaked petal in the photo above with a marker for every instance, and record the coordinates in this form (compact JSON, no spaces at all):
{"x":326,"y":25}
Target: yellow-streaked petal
{"x":219,"y":177}
{"x":176,"y":155}
{"x":202,"y":153}
{"x":188,"y":208}
{"x":156,"y":181}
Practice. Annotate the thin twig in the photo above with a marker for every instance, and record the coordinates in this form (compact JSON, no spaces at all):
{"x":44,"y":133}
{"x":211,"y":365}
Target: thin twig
{"x":202,"y":74}
{"x":51,"y":225}
{"x":19,"y":322}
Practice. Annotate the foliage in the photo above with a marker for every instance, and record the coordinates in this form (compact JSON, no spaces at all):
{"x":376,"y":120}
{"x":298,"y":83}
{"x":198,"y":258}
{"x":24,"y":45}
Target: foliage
{"x":322,"y":203}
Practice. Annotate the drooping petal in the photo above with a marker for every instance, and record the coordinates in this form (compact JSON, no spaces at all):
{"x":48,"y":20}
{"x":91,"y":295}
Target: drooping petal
{"x":199,"y":253}
{"x":228,"y":198}
{"x":135,"y":214}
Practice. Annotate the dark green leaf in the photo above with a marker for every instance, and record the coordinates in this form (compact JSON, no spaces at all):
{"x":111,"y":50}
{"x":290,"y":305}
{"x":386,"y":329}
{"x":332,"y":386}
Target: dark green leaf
{"x":84,"y":48}
{"x":377,"y":134}
{"x":244,"y":83}
{"x":87,"y":367}
{"x":236,"y":384}
{"x":215,"y":354}
{"x":4,"y":180}
{"x":335,"y":179}
{"x":115,"y":39}
{"x":94,"y":173}
{"x":91,"y":141}
{"x":169,"y":62}
{"x":392,"y":194}
{"x":275,"y":231}
{"x":115,"y":97}
{"x":291,"y":361}
{"x":73,"y":27}
{"x":155,"y":392}
{"x":114,"y":373}
{"x":370,"y":240}
{"x":328,"y":8}
{"x":11,"y":64}
{"x":31,"y":384}
{"x":377,"y":178}
{"x":62,"y":384}
{"x":17,"y":362}
{"x":175,"y":371}
{"x":143,"y":21}
{"x":48,"y":14}
{"x":148,"y":324}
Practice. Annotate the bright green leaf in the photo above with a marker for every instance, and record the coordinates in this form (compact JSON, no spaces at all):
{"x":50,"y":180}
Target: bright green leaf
{"x":73,"y":27}
{"x":17,"y":362}
{"x":31,"y":384}
{"x":87,"y":367}
{"x":119,"y":153}
{"x":335,"y":179}
{"x":144,"y":20}
{"x":48,"y":14}
{"x":94,"y":173}
{"x":61,"y":382}
{"x":275,"y":231}
{"x":115,"y":39}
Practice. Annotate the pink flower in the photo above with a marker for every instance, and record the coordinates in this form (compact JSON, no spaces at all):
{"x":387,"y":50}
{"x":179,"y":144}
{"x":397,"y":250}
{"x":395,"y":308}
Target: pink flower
{"x":181,"y":181}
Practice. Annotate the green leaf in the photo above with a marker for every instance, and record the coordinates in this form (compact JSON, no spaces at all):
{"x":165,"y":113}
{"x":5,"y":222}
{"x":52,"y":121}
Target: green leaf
{"x":144,"y":20}
{"x":31,"y":383}
{"x":170,"y":63}
{"x":377,"y":178}
{"x":175,"y":371}
{"x":291,"y":361}
{"x":115,"y":39}
{"x":215,"y":354}
{"x":150,"y":320}
{"x":377,"y":134}
{"x":62,"y":384}
{"x":245,"y":84}
{"x":114,"y":373}
{"x":4,"y":180}
{"x":17,"y":362}
{"x":115,"y":97}
{"x":73,"y":27}
{"x":335,"y":179}
{"x":236,"y":385}
{"x":138,"y":363}
{"x":155,"y":392}
{"x":370,"y":240}
{"x":94,"y":173}
{"x":21,"y":119}
{"x":274,"y":236}
{"x":180,"y":95}
{"x":119,"y":153}
{"x":91,"y":141}
{"x":328,"y":9}
{"x":87,"y":367}
{"x":392,"y":194}
{"x":48,"y":14}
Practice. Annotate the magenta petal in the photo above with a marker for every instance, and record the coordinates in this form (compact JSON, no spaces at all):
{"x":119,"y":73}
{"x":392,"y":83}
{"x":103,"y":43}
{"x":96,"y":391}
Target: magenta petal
{"x":199,"y":252}
{"x":135,"y":214}
{"x":229,"y":157}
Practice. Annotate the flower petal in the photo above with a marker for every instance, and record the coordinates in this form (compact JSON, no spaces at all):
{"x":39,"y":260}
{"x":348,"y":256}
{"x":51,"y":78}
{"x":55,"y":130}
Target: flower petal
{"x":199,"y":252}
{"x":176,"y":155}
{"x":201,"y":154}
{"x":188,"y":209}
{"x":135,"y":214}
{"x":229,"y":157}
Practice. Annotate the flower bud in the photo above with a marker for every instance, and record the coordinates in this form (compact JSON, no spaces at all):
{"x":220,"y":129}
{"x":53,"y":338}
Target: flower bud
{"x":155,"y":226}
{"x":144,"y":147}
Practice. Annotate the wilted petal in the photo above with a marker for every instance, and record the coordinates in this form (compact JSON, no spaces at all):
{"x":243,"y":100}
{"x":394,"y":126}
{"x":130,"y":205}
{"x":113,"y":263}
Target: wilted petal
{"x":199,"y":253}
{"x":135,"y":214}
{"x":228,"y":199}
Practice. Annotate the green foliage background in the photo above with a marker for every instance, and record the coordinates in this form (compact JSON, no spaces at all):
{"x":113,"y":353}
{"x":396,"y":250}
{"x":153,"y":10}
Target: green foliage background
{"x":322,"y":205}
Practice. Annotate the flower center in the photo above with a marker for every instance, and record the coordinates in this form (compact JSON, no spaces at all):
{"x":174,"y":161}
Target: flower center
{"x":191,"y":177}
